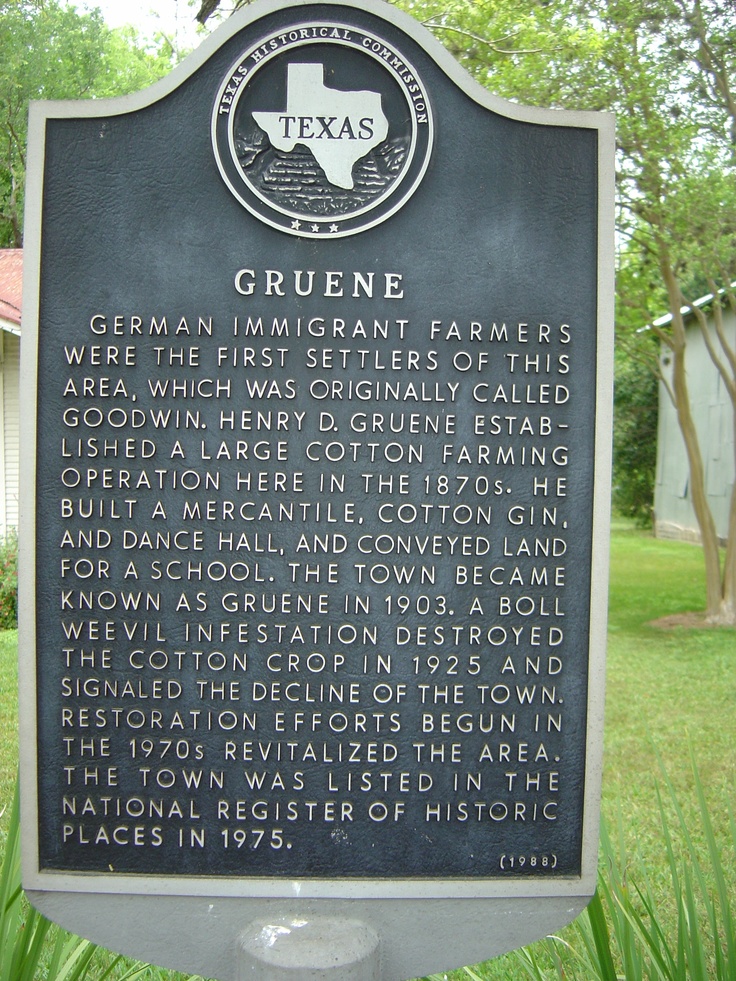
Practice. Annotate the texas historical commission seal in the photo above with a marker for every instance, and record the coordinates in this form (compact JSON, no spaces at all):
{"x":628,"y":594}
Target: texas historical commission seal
{"x":322,"y":130}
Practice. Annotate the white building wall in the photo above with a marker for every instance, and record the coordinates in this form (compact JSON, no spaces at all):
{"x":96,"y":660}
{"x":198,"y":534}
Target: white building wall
{"x":9,"y":406}
{"x":714,"y":415}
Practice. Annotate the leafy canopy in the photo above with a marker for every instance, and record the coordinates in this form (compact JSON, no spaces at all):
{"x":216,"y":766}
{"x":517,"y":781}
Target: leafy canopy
{"x":51,"y":51}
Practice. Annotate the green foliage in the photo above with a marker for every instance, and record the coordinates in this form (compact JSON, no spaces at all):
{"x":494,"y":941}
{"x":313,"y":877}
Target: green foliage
{"x":51,"y":51}
{"x":626,"y":932}
{"x":8,"y":723}
{"x":623,"y":933}
{"x":635,"y":404}
{"x":30,"y":946}
{"x":667,"y":690}
{"x":9,"y":582}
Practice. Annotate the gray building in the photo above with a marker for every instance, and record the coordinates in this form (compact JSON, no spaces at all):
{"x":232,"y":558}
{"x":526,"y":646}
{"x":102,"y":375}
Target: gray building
{"x":714,"y":419}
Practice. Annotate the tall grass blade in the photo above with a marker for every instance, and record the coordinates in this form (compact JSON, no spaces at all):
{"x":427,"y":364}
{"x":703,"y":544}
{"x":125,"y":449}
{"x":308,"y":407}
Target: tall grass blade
{"x":713,"y":893}
{"x":471,"y":974}
{"x":136,"y":971}
{"x":527,"y":960}
{"x":10,"y":893}
{"x":626,"y":928}
{"x":725,"y":952}
{"x":76,"y":958}
{"x":32,"y":948}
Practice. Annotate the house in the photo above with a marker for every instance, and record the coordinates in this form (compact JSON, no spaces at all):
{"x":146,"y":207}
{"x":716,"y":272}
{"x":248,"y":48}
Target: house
{"x":11,"y":281}
{"x":713,"y":412}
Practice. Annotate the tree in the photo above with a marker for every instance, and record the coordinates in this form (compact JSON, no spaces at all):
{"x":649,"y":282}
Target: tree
{"x":635,"y":413}
{"x":51,"y":51}
{"x":678,"y":194}
{"x":667,"y":68}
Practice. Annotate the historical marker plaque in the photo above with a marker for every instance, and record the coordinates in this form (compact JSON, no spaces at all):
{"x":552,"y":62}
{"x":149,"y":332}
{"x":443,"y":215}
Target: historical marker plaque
{"x":316,"y":358}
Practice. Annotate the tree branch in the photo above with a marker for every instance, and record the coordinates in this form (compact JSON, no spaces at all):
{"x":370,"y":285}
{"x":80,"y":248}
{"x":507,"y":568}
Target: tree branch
{"x":493,"y":45}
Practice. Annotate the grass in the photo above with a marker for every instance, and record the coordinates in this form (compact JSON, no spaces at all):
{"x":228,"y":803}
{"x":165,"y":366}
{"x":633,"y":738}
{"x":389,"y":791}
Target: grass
{"x":30,"y":946}
{"x":669,"y":692}
{"x":8,"y":723}
{"x":103,"y":964}
{"x":667,"y":689}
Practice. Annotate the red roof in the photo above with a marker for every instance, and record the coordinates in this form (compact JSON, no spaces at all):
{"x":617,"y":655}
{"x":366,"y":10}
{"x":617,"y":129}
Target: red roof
{"x":11,"y":284}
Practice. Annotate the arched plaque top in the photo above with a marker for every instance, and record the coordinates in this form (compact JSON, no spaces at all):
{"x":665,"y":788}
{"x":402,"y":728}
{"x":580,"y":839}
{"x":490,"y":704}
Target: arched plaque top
{"x":248,"y":15}
{"x":316,"y":419}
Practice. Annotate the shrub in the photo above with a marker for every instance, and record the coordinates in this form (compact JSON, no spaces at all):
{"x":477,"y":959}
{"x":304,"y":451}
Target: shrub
{"x":634,"y":440}
{"x":9,"y":581}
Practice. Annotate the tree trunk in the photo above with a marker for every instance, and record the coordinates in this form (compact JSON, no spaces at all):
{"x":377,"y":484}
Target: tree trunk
{"x":719,"y":607}
{"x":729,"y":564}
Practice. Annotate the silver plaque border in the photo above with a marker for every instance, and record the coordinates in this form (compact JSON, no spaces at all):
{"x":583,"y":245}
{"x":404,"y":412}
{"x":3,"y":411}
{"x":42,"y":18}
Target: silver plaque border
{"x":193,"y":922}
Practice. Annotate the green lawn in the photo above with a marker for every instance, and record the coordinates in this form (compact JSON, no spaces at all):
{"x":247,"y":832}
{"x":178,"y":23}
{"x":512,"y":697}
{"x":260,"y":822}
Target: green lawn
{"x":667,"y":690}
{"x":8,"y":720}
{"x":670,"y":693}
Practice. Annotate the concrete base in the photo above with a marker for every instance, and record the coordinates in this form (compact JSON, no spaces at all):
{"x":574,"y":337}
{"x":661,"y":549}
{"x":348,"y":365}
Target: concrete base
{"x":206,"y":935}
{"x":314,"y":949}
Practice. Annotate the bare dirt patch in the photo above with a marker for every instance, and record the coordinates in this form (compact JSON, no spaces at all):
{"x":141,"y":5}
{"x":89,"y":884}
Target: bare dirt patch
{"x":690,"y":621}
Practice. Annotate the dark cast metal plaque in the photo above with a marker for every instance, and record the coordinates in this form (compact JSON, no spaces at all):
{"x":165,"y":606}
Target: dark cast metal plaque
{"x":317,"y":361}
